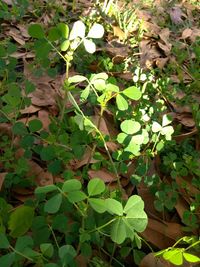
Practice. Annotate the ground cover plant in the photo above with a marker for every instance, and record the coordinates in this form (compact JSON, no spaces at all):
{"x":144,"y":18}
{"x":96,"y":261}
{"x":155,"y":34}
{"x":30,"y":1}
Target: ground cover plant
{"x":99,"y":133}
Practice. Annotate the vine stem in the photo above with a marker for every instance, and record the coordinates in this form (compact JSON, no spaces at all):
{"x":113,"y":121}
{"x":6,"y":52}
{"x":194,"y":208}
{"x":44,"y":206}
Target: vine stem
{"x":73,"y":101}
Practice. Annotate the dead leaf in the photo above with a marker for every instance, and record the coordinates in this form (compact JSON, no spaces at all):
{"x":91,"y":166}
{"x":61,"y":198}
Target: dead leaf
{"x":186,"y":119}
{"x":186,"y":33}
{"x":87,"y":158}
{"x":29,"y":110}
{"x":162,"y":234}
{"x":103,"y":174}
{"x":43,"y":116}
{"x":43,"y":96}
{"x":164,"y":35}
{"x":152,"y":261}
{"x":2,"y":177}
{"x":161,"y":62}
{"x":176,"y":14}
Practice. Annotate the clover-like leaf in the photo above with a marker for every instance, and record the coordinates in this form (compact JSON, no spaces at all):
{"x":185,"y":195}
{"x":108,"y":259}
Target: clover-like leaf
{"x":175,"y":256}
{"x":156,"y":127}
{"x":89,"y":45}
{"x":118,"y":231}
{"x":97,"y":31}
{"x":121,"y":102}
{"x":98,"y":204}
{"x":130,"y":126}
{"x":71,"y":185}
{"x":95,"y":187}
{"x":133,"y":93}
{"x":78,"y":30}
{"x":36,"y":31}
{"x":114,"y":206}
{"x":133,"y":203}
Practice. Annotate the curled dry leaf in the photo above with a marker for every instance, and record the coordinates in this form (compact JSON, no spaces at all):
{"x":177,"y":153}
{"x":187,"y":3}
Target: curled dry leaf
{"x":43,"y":96}
{"x":2,"y":177}
{"x":103,"y":174}
{"x":186,"y":33}
{"x":151,"y":261}
{"x":43,"y":116}
{"x":161,"y":62}
{"x":176,"y":14}
{"x":162,"y":234}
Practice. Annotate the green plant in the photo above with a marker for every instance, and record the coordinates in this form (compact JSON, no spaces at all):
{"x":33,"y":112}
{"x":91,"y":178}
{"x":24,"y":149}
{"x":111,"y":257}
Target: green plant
{"x":177,"y":256}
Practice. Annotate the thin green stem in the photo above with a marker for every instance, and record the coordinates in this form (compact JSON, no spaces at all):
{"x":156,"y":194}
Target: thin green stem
{"x":193,"y":245}
{"x":54,"y":236}
{"x":21,"y":254}
{"x":143,"y":240}
{"x":102,"y":226}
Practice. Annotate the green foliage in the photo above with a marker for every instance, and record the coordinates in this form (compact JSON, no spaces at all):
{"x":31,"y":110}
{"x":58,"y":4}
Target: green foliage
{"x":71,"y":217}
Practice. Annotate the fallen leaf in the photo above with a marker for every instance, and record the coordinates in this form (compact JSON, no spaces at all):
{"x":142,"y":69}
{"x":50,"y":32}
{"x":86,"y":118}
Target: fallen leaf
{"x":2,"y":177}
{"x":161,"y":62}
{"x":162,"y":234}
{"x":43,"y":116}
{"x":176,"y":14}
{"x":103,"y":174}
{"x":186,"y":33}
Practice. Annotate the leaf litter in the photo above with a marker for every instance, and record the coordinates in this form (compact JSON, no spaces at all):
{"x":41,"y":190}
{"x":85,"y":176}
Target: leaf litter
{"x":155,"y":50}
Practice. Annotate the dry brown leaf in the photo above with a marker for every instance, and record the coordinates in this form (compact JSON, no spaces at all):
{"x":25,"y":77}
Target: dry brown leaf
{"x":43,"y":116}
{"x":149,"y":54}
{"x":161,"y":62}
{"x":29,"y":110}
{"x":43,"y":96}
{"x":181,"y":206}
{"x":119,"y":33}
{"x":176,"y":14}
{"x":103,"y":174}
{"x":166,"y":48}
{"x":186,"y":33}
{"x":152,"y":261}
{"x":164,"y":35}
{"x":186,"y":119}
{"x":162,"y":234}
{"x":87,"y":158}
{"x":2,"y":177}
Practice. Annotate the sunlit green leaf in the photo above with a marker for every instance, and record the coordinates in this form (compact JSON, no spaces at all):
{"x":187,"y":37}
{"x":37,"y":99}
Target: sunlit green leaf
{"x":95,"y":187}
{"x":76,"y":196}
{"x":71,"y":185}
{"x":190,"y":257}
{"x":156,"y":127}
{"x":166,"y":120}
{"x":130,"y":126}
{"x":89,"y":45}
{"x":132,"y":92}
{"x":118,"y":231}
{"x":77,"y":79}
{"x":114,"y":206}
{"x":97,"y":31}
{"x":121,"y":102}
{"x":175,"y":256}
{"x":78,"y":30}
{"x":98,"y":204}
{"x":63,"y":29}
{"x":65,"y":45}
{"x":133,"y":203}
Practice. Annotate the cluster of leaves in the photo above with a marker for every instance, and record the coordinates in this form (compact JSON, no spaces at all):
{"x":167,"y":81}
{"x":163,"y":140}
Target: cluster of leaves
{"x":65,"y":219}
{"x":119,"y":222}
